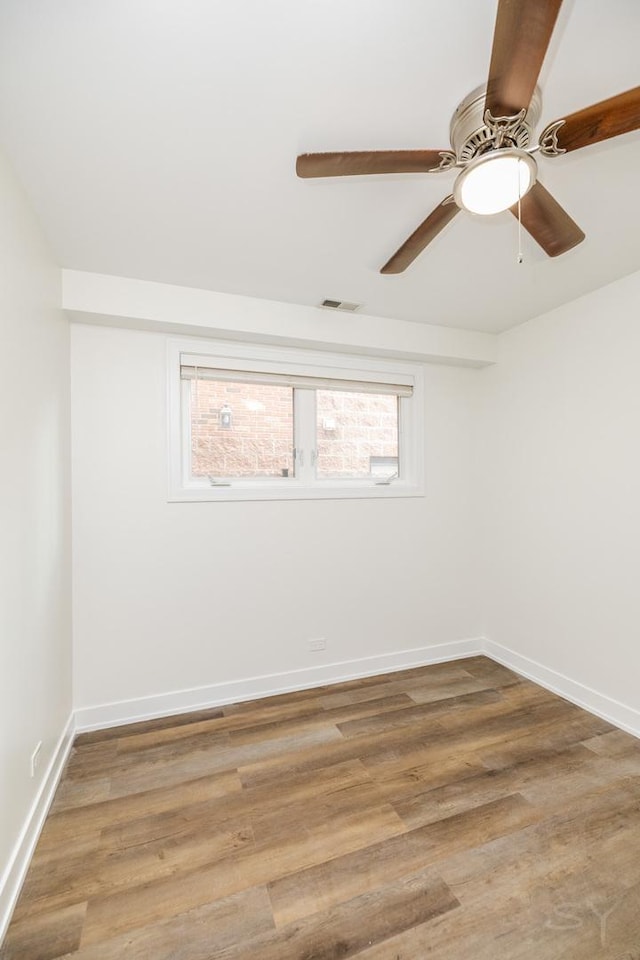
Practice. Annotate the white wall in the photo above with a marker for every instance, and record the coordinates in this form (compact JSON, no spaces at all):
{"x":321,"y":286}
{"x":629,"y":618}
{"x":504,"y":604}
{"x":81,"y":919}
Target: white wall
{"x":171,"y":596}
{"x":35,"y":599}
{"x":561,"y":492}
{"x":528,"y":534}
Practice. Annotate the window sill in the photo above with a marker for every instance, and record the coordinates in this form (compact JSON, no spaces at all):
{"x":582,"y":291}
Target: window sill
{"x":329,"y":491}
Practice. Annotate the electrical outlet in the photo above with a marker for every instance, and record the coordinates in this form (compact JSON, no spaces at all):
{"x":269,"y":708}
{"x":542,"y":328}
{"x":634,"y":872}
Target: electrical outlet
{"x":35,"y":756}
{"x":318,"y":643}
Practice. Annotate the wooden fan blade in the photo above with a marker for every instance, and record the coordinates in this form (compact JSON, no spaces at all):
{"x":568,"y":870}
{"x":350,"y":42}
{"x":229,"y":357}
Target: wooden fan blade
{"x":548,"y":223}
{"x":520,"y":40}
{"x":600,"y":121}
{"x":420,"y":238}
{"x":367,"y":161}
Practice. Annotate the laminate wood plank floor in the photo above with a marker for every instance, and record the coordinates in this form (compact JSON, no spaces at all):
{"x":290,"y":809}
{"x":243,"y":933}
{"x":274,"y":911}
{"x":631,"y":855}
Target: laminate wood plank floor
{"x":453,"y":811}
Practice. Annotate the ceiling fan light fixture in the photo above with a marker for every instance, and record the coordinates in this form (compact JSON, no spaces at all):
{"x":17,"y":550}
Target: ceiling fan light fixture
{"x":493,"y":182}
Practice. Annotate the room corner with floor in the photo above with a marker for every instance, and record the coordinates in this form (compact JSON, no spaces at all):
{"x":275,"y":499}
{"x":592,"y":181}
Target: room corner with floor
{"x":380,"y":721}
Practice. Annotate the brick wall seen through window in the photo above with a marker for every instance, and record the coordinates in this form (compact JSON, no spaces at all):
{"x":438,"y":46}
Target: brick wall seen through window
{"x":246,"y":430}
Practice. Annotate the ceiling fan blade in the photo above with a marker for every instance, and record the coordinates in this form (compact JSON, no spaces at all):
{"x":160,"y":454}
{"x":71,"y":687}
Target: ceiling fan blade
{"x":522,"y":33}
{"x":600,"y":121}
{"x":420,"y":238}
{"x":548,"y":223}
{"x":367,"y":161}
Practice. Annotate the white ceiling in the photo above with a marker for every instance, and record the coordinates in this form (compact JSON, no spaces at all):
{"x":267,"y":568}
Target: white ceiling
{"x":157,"y":139}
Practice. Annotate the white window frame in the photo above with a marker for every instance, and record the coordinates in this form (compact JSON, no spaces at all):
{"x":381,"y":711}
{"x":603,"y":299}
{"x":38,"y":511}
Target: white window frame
{"x":230,"y":356}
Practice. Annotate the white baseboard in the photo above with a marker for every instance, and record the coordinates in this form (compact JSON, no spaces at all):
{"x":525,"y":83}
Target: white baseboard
{"x":16,"y":870}
{"x":619,"y":714}
{"x":251,"y":688}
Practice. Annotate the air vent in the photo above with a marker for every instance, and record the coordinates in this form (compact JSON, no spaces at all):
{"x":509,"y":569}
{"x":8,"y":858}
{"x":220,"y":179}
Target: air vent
{"x":341,"y":305}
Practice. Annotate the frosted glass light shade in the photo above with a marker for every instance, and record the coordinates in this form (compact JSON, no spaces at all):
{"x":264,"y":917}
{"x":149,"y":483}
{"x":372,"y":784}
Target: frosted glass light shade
{"x":493,"y":182}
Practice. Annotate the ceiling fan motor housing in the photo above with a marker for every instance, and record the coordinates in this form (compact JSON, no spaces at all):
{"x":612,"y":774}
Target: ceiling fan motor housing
{"x":471,"y":137}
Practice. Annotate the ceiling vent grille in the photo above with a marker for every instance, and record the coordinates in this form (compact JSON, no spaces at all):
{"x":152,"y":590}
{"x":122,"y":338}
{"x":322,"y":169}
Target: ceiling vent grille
{"x":341,"y":305}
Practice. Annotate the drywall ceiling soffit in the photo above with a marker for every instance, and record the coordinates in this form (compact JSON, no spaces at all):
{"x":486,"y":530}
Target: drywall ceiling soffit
{"x":160,"y":307}
{"x":157,"y":140}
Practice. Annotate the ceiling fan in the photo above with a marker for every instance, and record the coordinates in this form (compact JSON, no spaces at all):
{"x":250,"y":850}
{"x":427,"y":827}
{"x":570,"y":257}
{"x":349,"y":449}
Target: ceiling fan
{"x":493,"y":142}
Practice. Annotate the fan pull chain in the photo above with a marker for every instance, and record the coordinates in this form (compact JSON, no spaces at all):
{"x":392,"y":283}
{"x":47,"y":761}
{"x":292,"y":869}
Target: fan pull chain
{"x":520,"y":257}
{"x":520,"y":254}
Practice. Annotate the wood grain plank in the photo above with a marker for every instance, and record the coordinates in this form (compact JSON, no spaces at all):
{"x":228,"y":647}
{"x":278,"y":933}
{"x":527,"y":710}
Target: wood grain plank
{"x":280,"y":800}
{"x":591,"y":840}
{"x":45,"y":937}
{"x":445,"y":811}
{"x":357,"y":693}
{"x":159,"y":723}
{"x":344,"y":931}
{"x":88,"y":760}
{"x":272,"y":769}
{"x":79,"y":793}
{"x":416,"y":711}
{"x":157,"y":767}
{"x":614,"y":744}
{"x":485,"y":786}
{"x":63,"y":882}
{"x":368,"y":708}
{"x":433,"y":744}
{"x":228,"y":719}
{"x":81,"y":824}
{"x":431,"y":693}
{"x":275,"y":856}
{"x":198,"y":934}
{"x":161,"y":764}
{"x":549,"y":735}
{"x":325,"y":885}
{"x":496,"y":675}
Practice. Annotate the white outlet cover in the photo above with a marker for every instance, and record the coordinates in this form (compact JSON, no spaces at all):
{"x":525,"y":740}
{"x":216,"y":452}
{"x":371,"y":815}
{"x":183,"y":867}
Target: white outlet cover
{"x":319,"y":643}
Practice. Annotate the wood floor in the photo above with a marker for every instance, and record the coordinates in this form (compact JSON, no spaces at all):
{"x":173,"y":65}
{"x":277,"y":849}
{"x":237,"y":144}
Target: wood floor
{"x":454,"y":812}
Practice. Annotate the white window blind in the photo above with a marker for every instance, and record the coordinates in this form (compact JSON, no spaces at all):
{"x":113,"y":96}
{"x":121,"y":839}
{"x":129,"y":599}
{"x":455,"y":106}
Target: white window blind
{"x":382,"y":387}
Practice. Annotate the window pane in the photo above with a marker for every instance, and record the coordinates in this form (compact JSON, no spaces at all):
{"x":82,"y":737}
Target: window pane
{"x":357,"y":435}
{"x":241,"y":429}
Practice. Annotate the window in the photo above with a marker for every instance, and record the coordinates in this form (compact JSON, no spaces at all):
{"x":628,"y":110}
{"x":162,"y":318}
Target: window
{"x":265,"y":423}
{"x":238,"y":430}
{"x":355,"y":430}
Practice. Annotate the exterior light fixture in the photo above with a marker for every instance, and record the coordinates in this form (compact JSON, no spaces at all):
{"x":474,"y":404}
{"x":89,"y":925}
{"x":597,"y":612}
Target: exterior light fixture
{"x":495,"y":181}
{"x":225,"y":417}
